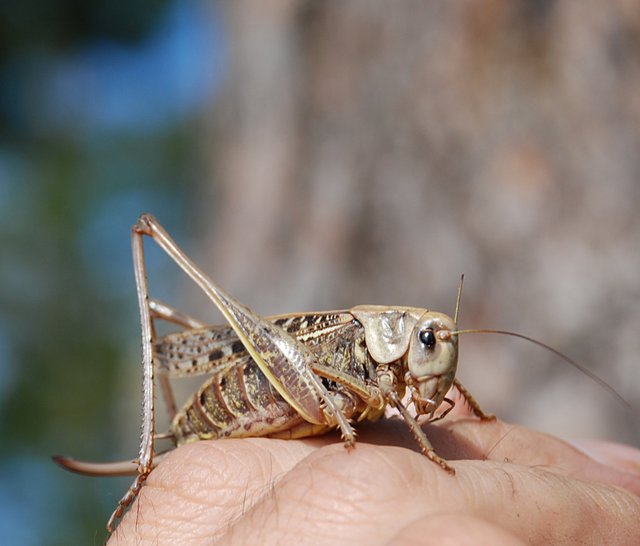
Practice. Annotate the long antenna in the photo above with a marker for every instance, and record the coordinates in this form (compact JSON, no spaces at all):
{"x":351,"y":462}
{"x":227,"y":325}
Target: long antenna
{"x":564,"y":357}
{"x":457,"y":311}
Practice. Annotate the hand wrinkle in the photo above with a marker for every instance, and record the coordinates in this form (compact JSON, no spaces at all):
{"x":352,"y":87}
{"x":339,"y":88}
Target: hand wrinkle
{"x":376,"y":491}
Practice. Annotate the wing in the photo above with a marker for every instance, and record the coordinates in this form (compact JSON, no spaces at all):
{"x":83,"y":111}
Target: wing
{"x":214,"y":348}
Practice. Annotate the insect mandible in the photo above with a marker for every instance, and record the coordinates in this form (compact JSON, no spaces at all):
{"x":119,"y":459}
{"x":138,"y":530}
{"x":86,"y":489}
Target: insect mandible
{"x":287,"y":376}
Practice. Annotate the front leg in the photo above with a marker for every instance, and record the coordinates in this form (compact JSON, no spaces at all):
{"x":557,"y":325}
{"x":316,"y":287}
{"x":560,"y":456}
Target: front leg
{"x":472,"y":402}
{"x":387,"y":381}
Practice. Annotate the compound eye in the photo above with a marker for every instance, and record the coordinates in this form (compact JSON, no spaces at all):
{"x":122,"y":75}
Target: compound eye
{"x":428,"y":338}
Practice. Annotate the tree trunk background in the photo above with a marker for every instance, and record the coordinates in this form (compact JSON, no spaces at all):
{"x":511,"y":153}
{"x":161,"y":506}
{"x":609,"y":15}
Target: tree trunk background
{"x":371,"y":152}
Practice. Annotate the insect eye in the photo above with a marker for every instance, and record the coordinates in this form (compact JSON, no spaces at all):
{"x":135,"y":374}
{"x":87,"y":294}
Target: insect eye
{"x":428,"y":338}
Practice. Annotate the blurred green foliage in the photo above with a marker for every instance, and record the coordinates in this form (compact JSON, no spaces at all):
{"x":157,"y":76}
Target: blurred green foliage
{"x":69,"y":193}
{"x":66,"y":24}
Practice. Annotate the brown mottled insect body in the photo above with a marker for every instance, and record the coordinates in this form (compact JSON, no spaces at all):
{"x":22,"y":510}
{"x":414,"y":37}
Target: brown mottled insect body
{"x":238,"y":400}
{"x":287,"y":376}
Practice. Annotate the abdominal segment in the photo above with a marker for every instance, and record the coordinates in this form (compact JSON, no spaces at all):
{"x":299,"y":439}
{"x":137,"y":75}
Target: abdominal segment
{"x":238,"y":402}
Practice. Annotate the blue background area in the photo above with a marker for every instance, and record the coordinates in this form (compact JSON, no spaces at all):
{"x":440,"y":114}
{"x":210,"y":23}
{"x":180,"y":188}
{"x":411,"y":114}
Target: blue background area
{"x":96,"y":127}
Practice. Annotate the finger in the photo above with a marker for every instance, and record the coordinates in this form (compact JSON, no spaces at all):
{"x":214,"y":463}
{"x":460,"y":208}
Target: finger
{"x":626,"y":458}
{"x":201,"y":487}
{"x":454,"y":530}
{"x":470,"y":438}
{"x":195,"y":495}
{"x":500,"y":441}
{"x":376,"y":494}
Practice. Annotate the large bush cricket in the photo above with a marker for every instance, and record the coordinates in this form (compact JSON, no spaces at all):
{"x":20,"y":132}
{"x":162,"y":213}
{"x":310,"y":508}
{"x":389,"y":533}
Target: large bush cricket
{"x":288,"y":376}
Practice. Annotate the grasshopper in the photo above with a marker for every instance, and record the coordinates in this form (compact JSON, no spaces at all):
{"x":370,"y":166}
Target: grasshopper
{"x":287,"y":376}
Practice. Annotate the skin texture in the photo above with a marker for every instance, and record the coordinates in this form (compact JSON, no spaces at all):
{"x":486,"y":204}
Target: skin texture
{"x":512,"y":486}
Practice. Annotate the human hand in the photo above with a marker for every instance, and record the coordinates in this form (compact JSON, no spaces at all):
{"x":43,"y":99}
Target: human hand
{"x":512,"y":486}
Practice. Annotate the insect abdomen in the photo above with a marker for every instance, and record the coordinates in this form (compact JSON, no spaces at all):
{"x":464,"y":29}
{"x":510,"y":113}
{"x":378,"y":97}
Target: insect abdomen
{"x":238,"y":400}
{"x":235,"y":403}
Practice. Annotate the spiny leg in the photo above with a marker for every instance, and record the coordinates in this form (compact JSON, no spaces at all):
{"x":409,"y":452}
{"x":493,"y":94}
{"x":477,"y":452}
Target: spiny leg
{"x":332,"y":413}
{"x":346,"y":403}
{"x":368,"y":391}
{"x":163,"y":378}
{"x":115,"y":468}
{"x":285,"y":361}
{"x":472,"y":402}
{"x":145,"y":458}
{"x":149,"y":311}
{"x":387,"y":382}
{"x":124,"y":503}
{"x":161,"y":311}
{"x":418,"y":433}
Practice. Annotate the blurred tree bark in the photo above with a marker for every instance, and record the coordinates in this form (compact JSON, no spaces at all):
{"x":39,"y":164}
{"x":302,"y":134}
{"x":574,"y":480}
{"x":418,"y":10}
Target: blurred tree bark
{"x":370,"y":152}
